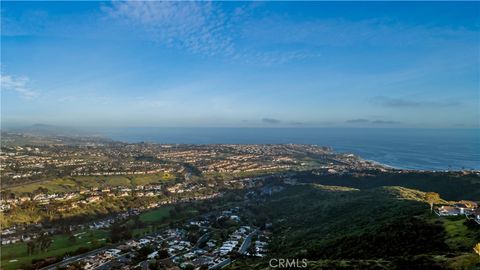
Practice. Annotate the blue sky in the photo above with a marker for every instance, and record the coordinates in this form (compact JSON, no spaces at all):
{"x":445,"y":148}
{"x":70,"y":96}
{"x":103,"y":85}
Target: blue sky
{"x":241,"y":64}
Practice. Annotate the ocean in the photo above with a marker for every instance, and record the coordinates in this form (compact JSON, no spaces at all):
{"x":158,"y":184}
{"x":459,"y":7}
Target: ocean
{"x":422,"y":149}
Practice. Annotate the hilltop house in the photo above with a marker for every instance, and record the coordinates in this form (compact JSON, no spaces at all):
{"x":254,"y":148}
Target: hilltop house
{"x":447,"y":210}
{"x":465,"y":207}
{"x":476,"y":215}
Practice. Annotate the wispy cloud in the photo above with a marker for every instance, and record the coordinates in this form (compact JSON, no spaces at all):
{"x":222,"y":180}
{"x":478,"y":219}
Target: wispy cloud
{"x":377,"y":122}
{"x":271,"y":121}
{"x":386,"y":122}
{"x":204,"y":28}
{"x":343,"y":32}
{"x":402,"y":102}
{"x":272,"y":57}
{"x":212,"y":29}
{"x":297,"y":123}
{"x":199,"y":27}
{"x":354,"y":121}
{"x":18,"y":84}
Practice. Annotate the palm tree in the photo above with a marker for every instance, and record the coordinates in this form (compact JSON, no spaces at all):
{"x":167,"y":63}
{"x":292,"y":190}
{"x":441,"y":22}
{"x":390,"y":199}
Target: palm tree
{"x":30,"y":247}
{"x":44,"y":242}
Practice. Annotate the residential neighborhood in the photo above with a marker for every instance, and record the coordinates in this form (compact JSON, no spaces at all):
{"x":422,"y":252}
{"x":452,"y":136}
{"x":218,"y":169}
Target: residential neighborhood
{"x":107,"y":204}
{"x":22,"y":164}
{"x":173,"y":247}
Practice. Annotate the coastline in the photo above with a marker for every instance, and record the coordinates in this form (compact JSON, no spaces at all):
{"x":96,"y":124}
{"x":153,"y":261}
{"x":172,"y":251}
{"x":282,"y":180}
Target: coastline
{"x":416,"y":154}
{"x":412,"y":149}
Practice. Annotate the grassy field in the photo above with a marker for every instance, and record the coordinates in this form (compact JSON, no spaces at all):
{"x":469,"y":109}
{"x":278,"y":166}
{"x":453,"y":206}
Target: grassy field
{"x":460,"y":236}
{"x":152,"y":179}
{"x":230,"y":176}
{"x":14,"y":255}
{"x":160,"y":218}
{"x":156,"y":215}
{"x":73,"y":184}
{"x":162,"y":214}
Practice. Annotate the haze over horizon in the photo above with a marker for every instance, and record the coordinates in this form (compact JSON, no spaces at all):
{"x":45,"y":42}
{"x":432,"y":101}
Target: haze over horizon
{"x":240,"y":64}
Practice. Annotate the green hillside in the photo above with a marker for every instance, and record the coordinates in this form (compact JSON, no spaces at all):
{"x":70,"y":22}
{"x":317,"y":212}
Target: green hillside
{"x":451,"y":185}
{"x":380,"y":228}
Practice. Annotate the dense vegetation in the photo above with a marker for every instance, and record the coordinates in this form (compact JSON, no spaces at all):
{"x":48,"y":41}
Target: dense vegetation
{"x":385,"y":227}
{"x":450,"y":185}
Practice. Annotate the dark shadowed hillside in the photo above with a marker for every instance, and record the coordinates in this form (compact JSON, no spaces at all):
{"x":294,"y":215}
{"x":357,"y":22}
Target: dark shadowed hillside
{"x":451,"y":185}
{"x":380,"y":228}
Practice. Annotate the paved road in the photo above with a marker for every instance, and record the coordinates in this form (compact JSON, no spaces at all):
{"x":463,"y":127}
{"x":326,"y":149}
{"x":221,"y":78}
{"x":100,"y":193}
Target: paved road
{"x":221,"y":264}
{"x":107,"y":265}
{"x":73,"y":259}
{"x":246,"y":243}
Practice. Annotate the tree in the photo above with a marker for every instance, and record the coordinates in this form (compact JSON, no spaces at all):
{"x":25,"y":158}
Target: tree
{"x":41,"y":190}
{"x":431,"y":198}
{"x":224,"y":235}
{"x":138,"y":223}
{"x":476,"y":248}
{"x":72,"y":239}
{"x":94,"y":242}
{"x":145,"y":251}
{"x":189,"y":267}
{"x":44,"y":242}
{"x":163,"y":254}
{"x":118,"y":233}
{"x":30,"y":247}
{"x":153,"y":265}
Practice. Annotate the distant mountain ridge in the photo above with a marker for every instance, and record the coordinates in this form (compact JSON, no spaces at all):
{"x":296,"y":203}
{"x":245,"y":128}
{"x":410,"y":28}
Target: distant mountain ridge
{"x":48,"y":130}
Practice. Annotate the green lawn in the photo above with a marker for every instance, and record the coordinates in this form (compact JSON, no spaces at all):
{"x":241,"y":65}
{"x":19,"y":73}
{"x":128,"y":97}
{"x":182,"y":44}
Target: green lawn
{"x":55,"y":185}
{"x":229,"y":176}
{"x":459,"y":235}
{"x":152,"y":178}
{"x":155,"y":215}
{"x":59,"y":247}
{"x":73,"y":184}
{"x":113,"y":181}
{"x":160,"y":217}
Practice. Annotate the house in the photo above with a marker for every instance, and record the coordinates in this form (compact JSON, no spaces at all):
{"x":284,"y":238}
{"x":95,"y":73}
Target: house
{"x":447,"y":210}
{"x":113,"y":252}
{"x":466,"y":207}
{"x":228,"y":246}
{"x":93,"y":199}
{"x":132,"y":243}
{"x":211,"y":243}
{"x":235,"y":218}
{"x":143,"y":241}
{"x":476,"y":215}
{"x":152,"y":255}
{"x":203,"y":260}
{"x":332,"y":171}
{"x":470,"y":204}
{"x":123,"y":194}
{"x":189,"y":255}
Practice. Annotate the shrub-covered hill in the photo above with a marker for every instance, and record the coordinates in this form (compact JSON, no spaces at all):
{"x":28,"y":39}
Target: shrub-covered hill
{"x":380,"y":228}
{"x":450,"y":185}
